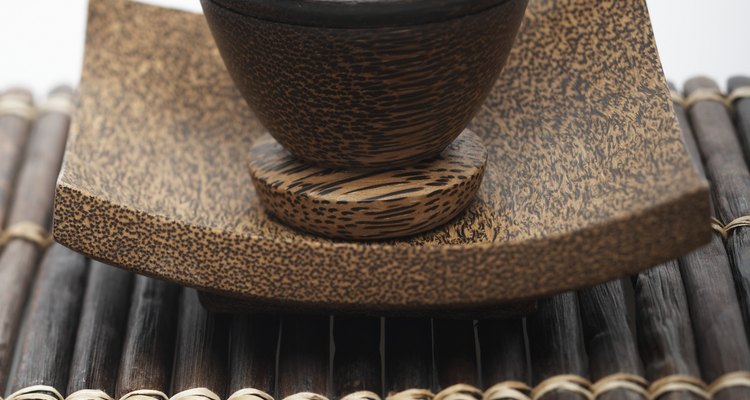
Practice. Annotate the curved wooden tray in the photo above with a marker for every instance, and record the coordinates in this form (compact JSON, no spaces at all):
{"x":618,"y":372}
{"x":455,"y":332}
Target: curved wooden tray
{"x":587,"y":178}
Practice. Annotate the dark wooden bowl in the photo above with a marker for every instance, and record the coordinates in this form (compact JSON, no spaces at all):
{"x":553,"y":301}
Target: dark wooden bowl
{"x":365,"y":84}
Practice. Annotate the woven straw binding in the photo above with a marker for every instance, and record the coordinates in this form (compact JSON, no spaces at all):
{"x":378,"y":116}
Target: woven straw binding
{"x":412,"y":394}
{"x":36,"y":392}
{"x":196,"y":394}
{"x":742,"y":92}
{"x":145,"y":394}
{"x":567,"y":382}
{"x":27,"y":231}
{"x":508,"y":390}
{"x":362,"y":395}
{"x":251,"y":394}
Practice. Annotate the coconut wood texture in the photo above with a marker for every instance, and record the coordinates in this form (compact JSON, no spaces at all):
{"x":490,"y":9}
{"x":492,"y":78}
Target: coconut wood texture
{"x":586,"y":178}
{"x":365,"y":98}
{"x":687,"y":320}
{"x":368,"y":205}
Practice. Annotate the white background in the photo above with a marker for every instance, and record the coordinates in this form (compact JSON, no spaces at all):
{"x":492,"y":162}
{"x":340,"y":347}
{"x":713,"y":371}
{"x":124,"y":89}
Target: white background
{"x":41,"y":41}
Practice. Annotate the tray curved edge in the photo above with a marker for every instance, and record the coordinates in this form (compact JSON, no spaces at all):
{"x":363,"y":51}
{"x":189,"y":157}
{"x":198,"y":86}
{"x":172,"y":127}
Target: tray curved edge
{"x":375,"y":276}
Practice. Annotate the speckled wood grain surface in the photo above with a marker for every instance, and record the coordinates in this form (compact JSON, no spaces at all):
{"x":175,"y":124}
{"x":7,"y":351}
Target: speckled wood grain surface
{"x":350,"y":204}
{"x":586,"y":180}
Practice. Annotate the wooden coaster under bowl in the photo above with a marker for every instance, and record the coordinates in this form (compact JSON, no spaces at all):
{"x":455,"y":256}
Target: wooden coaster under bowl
{"x":368,"y":204}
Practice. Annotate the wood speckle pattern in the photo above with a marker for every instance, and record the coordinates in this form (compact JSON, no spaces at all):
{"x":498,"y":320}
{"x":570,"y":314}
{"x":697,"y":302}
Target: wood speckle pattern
{"x":368,"y":205}
{"x":373,"y":98}
{"x":587,"y":178}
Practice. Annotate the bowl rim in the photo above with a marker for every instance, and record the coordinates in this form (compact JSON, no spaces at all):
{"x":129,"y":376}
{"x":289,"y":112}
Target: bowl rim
{"x":356,"y":13}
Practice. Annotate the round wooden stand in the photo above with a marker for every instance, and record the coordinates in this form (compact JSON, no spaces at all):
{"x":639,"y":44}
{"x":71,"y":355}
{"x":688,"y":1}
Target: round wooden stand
{"x":366,"y":204}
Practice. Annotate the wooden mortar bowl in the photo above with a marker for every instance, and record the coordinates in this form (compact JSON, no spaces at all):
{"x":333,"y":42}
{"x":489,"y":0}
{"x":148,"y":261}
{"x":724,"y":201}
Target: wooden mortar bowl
{"x":367,"y":84}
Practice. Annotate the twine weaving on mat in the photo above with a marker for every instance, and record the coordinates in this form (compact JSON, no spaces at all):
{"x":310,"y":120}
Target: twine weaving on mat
{"x":730,"y":380}
{"x":145,"y":394}
{"x":36,"y":392}
{"x":508,"y":390}
{"x":27,"y":231}
{"x":742,"y":92}
{"x":570,"y":383}
{"x":411,"y":394}
{"x":11,"y":105}
{"x":460,"y":391}
{"x":305,"y":396}
{"x":725,"y":230}
{"x":677,"y":97}
{"x":705,"y":95}
{"x":61,"y":103}
{"x":252,"y":394}
{"x":676,"y":383}
{"x":89,"y":394}
{"x":361,"y":395}
{"x":196,"y":394}
{"x":633,"y":383}
{"x":17,"y":106}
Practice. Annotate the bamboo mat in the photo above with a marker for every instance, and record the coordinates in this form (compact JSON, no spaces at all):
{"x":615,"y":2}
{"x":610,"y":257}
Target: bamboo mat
{"x":79,"y":329}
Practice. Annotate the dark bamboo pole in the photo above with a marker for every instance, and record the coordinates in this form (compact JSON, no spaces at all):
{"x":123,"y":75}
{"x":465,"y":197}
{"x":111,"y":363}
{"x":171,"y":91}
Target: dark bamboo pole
{"x":408,"y":354}
{"x":101,"y":329}
{"x":253,"y":353}
{"x":14,"y":130}
{"x":356,"y":361}
{"x":714,"y":307}
{"x":719,"y":333}
{"x":556,"y":343}
{"x":742,"y":112}
{"x":45,"y":345}
{"x":148,"y":350}
{"x":503,"y":351}
{"x":610,"y":344}
{"x":730,"y":181}
{"x":201,"y":355}
{"x":455,"y":352}
{"x":304,"y":355}
{"x":32,"y":202}
{"x":665,"y":335}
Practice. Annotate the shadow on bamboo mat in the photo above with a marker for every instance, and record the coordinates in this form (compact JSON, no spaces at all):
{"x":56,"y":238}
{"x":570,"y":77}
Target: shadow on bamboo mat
{"x":74,"y":326}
